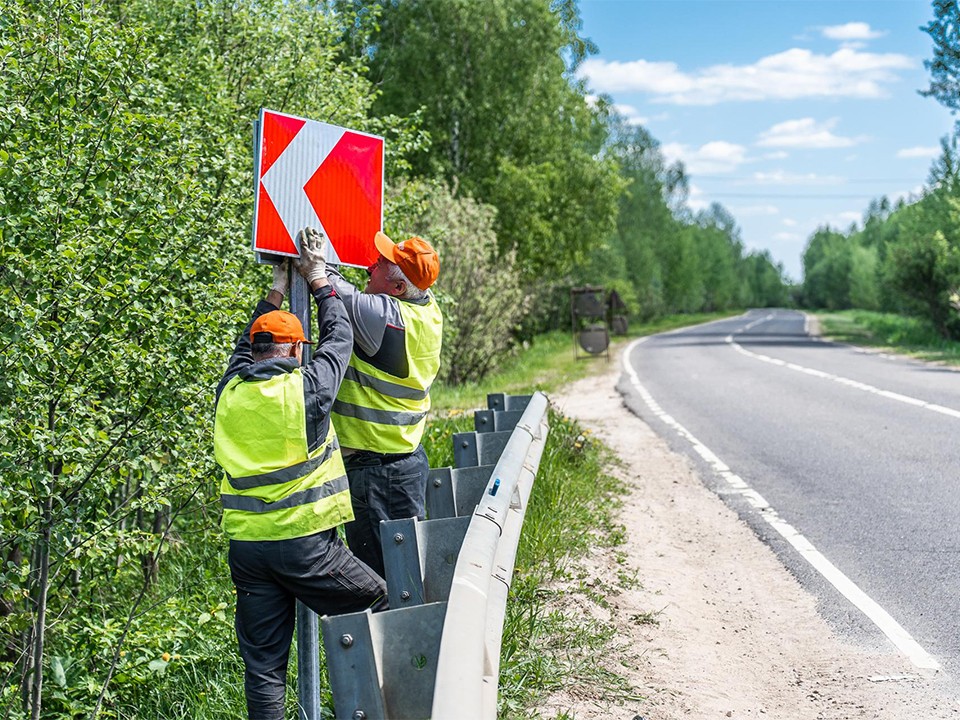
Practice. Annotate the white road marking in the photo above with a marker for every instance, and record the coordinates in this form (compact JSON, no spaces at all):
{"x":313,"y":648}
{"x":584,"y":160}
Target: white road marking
{"x":855,"y":384}
{"x":863,"y":602}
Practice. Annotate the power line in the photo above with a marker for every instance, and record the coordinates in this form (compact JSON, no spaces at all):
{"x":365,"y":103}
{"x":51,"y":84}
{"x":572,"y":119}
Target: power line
{"x":791,"y":196}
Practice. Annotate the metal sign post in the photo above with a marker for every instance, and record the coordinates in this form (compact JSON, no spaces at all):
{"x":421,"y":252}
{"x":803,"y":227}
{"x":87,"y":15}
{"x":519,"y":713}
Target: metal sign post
{"x":308,"y":627}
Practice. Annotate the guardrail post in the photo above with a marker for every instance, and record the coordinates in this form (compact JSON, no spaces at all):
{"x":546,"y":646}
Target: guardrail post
{"x":472,"y":448}
{"x":384,"y":665}
{"x":401,"y":562}
{"x":454,"y":492}
{"x":504,"y":402}
{"x":419,"y":558}
{"x":496,"y":420}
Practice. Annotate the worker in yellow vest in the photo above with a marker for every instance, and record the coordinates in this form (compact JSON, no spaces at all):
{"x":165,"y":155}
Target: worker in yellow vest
{"x":285,"y":488}
{"x":381,"y":408}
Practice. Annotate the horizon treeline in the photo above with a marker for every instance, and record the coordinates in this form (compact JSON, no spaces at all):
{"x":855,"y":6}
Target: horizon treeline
{"x":904,"y":257}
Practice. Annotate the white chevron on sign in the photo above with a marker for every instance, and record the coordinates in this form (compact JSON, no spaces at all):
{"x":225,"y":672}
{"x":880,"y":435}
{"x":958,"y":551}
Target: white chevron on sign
{"x":286,"y":178}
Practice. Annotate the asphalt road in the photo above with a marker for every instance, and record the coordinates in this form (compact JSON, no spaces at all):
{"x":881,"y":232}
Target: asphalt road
{"x":856,"y":451}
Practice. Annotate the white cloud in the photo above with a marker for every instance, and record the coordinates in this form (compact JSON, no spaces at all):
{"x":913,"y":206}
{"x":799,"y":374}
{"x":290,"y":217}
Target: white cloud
{"x":631,"y":114}
{"x":792,"y":74}
{"x":805,"y":133}
{"x":713,"y":157}
{"x":851,"y":31}
{"x":696,"y":200}
{"x":789,"y":222}
{"x":842,"y":220}
{"x":919,"y":152}
{"x":787,"y":236}
{"x":776,"y":155}
{"x":755,"y":210}
{"x":781,"y":177}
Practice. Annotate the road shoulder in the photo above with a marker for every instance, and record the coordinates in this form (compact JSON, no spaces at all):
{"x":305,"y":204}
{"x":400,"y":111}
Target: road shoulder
{"x":715,"y":627}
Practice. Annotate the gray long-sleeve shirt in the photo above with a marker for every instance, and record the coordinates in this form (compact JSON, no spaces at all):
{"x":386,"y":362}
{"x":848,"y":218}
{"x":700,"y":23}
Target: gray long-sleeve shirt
{"x":321,"y":376}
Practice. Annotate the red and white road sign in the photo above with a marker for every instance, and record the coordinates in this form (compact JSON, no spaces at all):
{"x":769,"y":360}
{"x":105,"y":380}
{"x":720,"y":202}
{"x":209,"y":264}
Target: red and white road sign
{"x":309,"y":173}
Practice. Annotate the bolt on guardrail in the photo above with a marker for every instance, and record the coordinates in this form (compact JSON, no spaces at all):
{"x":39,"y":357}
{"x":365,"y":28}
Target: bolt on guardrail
{"x":435,"y":653}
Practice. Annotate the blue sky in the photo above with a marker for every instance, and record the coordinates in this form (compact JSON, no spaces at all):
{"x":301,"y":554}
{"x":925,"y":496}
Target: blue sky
{"x":792,"y":114}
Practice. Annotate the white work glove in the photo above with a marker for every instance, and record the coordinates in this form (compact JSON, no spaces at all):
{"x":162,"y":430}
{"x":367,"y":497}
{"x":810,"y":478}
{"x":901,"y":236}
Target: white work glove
{"x":312,"y":263}
{"x":281,"y":277}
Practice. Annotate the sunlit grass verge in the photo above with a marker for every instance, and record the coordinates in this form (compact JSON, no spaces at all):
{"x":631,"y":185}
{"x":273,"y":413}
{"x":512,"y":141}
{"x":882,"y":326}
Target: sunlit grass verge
{"x":549,"y":645}
{"x":911,"y":336}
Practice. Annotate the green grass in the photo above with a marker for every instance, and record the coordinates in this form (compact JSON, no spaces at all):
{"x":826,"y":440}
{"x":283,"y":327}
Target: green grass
{"x":899,"y":334}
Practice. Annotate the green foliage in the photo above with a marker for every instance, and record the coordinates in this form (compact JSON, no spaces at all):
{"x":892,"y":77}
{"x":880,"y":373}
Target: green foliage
{"x":507,"y":127}
{"x":906,"y":258}
{"x":826,"y":270}
{"x":913,"y":336}
{"x":672,"y":261}
{"x":944,"y":31}
{"x":125,"y":169}
{"x":479,"y":289}
{"x":925,"y":269}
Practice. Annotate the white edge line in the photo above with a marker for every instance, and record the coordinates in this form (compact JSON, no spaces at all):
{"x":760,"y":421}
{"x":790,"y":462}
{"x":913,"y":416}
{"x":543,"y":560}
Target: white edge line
{"x":863,"y":602}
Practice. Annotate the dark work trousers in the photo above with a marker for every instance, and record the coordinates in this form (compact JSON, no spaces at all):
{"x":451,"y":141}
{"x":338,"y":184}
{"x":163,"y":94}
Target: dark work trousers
{"x":270,"y":576}
{"x":383,"y":487}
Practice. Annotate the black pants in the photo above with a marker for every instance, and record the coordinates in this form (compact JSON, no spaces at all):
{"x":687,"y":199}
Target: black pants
{"x":270,"y":576}
{"x":383,"y":487}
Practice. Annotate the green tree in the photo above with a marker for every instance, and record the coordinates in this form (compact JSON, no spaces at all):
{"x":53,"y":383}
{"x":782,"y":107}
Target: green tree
{"x":944,"y":68}
{"x":764,"y":281}
{"x":826,"y":270}
{"x":720,"y":254}
{"x":647,"y":231}
{"x":926,"y":270}
{"x":507,"y":124}
{"x":125,"y":165}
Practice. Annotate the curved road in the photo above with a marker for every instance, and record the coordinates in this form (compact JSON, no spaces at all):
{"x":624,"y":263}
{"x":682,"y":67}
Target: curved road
{"x":845,"y":462}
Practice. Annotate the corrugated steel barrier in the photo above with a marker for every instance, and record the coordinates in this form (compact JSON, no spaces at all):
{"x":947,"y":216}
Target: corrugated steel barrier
{"x":436,"y":652}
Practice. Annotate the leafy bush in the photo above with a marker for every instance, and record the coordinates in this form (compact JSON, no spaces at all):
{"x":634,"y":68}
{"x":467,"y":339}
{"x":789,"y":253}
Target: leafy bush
{"x":479,"y":290}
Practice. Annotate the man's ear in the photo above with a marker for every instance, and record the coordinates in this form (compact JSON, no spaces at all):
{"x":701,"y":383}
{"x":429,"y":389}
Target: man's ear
{"x":399,"y":288}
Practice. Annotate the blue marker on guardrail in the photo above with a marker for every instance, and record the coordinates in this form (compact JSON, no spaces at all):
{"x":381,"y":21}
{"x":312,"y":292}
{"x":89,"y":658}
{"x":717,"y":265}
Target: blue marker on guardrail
{"x":496,"y":486}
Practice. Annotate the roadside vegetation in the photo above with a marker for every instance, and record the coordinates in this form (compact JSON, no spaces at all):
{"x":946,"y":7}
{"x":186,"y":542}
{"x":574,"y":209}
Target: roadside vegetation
{"x":902,"y":335}
{"x":903,"y":259}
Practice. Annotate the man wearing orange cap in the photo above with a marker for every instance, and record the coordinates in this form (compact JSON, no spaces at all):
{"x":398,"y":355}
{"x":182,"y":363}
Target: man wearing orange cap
{"x":285,"y":488}
{"x":381,"y":408}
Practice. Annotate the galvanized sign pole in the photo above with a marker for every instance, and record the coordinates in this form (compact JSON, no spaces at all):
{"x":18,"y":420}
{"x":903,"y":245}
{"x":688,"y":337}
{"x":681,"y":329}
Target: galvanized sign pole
{"x":308,"y":629}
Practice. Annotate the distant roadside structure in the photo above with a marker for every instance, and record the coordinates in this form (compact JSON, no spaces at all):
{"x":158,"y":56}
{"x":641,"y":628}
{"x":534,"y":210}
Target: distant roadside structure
{"x":594,"y":313}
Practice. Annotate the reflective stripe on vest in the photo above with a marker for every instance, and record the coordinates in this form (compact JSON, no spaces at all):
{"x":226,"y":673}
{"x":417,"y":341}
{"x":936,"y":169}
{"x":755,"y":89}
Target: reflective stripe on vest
{"x":381,"y":412}
{"x":273,"y":489}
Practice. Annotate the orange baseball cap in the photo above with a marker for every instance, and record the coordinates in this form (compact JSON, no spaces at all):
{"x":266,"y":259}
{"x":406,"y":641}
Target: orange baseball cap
{"x":277,"y":326}
{"x":415,"y":256}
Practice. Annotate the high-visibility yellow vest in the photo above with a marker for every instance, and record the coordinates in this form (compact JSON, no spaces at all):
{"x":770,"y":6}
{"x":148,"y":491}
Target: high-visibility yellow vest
{"x":274,"y":489}
{"x":385,"y":413}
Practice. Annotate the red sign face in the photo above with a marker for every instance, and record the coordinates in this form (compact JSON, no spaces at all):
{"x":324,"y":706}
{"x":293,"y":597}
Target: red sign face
{"x":318,"y":175}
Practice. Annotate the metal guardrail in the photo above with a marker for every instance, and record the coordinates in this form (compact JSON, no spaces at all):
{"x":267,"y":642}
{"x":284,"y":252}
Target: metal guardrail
{"x":436,"y":653}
